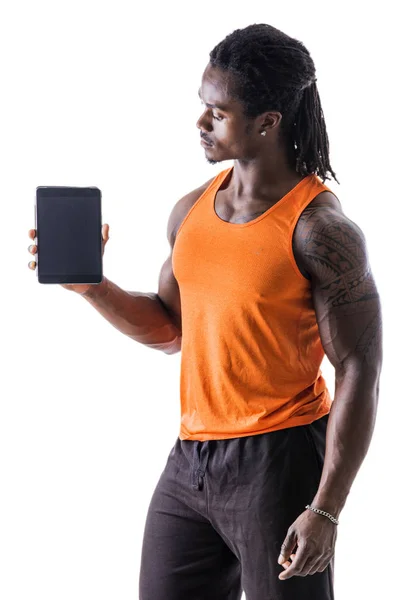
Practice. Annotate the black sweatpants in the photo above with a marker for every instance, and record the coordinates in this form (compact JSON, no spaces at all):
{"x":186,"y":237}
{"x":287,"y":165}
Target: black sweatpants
{"x":220,"y":513}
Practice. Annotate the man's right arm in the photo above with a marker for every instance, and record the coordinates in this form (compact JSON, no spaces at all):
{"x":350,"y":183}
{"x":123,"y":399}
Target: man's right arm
{"x":148,"y":318}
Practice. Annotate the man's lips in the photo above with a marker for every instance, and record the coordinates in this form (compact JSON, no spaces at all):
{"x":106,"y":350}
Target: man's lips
{"x":205,"y":143}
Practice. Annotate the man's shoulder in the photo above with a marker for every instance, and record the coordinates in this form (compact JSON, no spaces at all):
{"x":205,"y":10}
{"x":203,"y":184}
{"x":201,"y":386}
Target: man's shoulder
{"x":182,"y":207}
{"x":325,"y":199}
{"x":323,"y":230}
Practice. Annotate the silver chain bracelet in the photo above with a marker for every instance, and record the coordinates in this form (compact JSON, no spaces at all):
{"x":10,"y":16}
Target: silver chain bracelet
{"x":322,"y":512}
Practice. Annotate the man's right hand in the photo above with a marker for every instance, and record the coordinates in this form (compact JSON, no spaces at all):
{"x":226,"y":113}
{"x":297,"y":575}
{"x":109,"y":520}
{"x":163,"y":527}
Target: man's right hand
{"x":78,"y":288}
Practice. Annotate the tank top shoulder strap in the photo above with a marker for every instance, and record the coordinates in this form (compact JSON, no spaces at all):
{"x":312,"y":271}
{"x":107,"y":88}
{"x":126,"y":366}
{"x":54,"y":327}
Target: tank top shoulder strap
{"x":214,"y":185}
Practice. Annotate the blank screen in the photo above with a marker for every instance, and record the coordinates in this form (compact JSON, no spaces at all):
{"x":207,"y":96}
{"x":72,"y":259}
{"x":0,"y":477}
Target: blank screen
{"x":68,"y":223}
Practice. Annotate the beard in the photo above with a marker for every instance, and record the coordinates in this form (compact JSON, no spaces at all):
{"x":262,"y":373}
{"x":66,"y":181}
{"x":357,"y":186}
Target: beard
{"x":211,"y":161}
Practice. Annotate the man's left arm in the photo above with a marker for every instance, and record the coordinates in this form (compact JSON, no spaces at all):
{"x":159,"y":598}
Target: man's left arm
{"x":334,"y":254}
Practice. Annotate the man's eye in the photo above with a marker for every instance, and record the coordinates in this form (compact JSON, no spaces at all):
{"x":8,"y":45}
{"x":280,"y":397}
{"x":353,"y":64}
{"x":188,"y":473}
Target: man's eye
{"x":214,"y":116}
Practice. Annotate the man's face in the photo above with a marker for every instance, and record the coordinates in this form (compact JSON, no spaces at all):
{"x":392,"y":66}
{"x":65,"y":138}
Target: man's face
{"x":222,"y":124}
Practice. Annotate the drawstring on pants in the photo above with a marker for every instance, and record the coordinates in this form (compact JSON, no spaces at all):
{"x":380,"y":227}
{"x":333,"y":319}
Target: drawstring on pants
{"x":200,"y":458}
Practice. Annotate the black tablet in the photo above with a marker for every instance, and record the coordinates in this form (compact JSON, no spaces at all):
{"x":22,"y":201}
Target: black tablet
{"x":68,"y":230}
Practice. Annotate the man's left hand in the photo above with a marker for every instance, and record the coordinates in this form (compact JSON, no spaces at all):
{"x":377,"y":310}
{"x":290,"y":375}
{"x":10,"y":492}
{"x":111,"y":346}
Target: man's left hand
{"x":315,"y":537}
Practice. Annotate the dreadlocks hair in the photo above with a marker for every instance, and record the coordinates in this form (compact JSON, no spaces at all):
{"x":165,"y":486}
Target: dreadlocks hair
{"x":273,"y":71}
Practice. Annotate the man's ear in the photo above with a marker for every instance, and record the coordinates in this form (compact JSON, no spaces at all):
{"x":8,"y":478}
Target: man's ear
{"x":270,"y":120}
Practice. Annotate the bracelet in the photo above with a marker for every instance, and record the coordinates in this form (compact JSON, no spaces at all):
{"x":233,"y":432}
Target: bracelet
{"x":322,"y":512}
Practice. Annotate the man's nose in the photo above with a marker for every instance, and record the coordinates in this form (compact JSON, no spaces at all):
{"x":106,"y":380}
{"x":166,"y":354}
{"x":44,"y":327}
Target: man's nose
{"x":203,"y":122}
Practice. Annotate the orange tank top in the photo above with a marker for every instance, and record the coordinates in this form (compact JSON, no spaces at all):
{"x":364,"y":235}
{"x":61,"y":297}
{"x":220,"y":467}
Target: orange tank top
{"x":251,"y":350}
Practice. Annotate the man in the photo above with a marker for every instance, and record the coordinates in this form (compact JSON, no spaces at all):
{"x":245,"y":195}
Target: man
{"x":266,"y":274}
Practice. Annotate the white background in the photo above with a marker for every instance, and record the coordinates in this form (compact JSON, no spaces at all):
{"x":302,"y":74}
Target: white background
{"x":105,"y":94}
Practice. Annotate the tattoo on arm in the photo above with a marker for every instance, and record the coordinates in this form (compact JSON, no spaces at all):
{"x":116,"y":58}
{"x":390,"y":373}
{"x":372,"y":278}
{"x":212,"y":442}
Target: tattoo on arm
{"x":346,"y":299}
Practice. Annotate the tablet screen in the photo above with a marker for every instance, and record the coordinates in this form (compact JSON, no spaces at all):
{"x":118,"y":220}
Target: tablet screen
{"x":68,"y":229}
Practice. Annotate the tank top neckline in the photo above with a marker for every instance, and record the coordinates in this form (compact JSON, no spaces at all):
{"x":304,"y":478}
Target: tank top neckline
{"x":260,"y":217}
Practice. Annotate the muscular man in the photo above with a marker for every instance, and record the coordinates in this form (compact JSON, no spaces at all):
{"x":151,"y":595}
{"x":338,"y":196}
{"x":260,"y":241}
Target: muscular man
{"x":266,"y":275}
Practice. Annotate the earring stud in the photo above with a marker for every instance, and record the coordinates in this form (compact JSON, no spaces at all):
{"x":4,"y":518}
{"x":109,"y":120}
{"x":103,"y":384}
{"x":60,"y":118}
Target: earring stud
{"x":263,"y":133}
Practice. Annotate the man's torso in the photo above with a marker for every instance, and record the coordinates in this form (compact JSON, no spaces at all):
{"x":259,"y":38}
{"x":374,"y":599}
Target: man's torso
{"x":324,"y":199}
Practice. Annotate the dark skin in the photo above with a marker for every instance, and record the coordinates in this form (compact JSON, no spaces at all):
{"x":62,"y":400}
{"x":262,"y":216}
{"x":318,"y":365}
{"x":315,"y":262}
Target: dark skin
{"x":330,"y":251}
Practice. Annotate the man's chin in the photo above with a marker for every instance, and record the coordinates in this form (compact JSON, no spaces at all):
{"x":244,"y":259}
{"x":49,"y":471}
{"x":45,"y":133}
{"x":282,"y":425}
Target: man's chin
{"x":211,"y":161}
{"x":210,"y":157}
